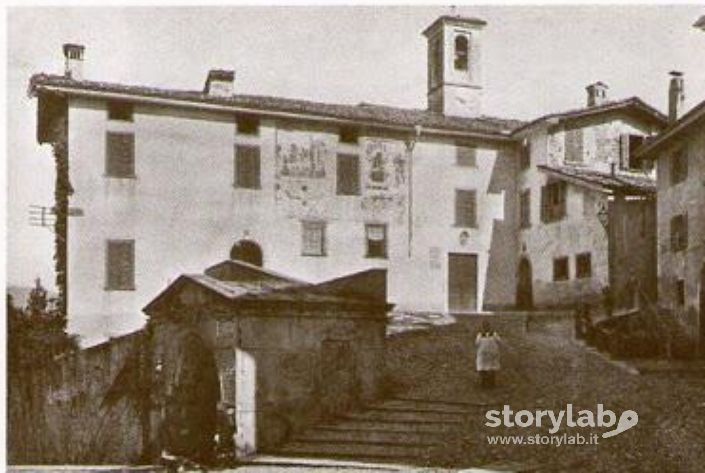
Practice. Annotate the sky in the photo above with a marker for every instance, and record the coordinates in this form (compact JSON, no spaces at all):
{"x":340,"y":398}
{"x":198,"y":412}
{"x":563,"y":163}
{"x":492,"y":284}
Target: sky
{"x":536,"y":60}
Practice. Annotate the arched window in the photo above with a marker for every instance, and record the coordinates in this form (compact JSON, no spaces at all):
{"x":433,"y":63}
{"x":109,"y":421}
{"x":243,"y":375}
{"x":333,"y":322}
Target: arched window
{"x":247,"y":251}
{"x":461,"y":53}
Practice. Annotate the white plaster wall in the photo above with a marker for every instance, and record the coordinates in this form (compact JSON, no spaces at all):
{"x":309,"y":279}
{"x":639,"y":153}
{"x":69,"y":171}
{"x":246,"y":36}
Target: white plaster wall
{"x":184,"y":213}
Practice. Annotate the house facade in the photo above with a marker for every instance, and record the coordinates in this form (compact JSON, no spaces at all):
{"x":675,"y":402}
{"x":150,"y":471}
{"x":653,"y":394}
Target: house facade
{"x":679,"y":154}
{"x":586,"y":205}
{"x":161,"y":182}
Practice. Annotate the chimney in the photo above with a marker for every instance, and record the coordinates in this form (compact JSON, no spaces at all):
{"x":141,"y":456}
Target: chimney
{"x":73,"y":53}
{"x":676,"y":96}
{"x":597,"y":94}
{"x":220,"y":83}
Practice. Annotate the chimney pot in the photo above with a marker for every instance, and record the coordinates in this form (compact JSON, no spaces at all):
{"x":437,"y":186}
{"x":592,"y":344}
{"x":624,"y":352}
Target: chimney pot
{"x":220,"y":83}
{"x":676,"y":95}
{"x":73,"y":55}
{"x":597,"y":94}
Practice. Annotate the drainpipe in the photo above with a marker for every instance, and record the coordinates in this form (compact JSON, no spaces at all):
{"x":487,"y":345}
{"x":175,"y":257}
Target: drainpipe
{"x":410,"y":144}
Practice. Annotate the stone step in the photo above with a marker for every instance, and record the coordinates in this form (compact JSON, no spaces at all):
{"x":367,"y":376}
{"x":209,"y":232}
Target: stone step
{"x":422,"y":405}
{"x":418,"y":416}
{"x":392,"y":426}
{"x":356,"y":450}
{"x":342,"y":435}
{"x":296,"y":463}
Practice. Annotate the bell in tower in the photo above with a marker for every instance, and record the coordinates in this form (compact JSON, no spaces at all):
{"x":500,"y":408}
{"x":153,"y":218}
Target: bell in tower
{"x":454,"y":72}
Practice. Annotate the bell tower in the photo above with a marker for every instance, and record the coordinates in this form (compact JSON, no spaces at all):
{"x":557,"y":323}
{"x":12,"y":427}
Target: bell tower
{"x":454,"y":66}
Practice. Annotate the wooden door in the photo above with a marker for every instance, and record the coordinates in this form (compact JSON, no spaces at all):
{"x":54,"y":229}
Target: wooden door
{"x":462,"y":282}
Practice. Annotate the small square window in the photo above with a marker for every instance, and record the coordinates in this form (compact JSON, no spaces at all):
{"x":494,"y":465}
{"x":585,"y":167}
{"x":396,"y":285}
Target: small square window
{"x":122,"y":111}
{"x":561,"y":270}
{"x":348,"y":134}
{"x":583,"y":265}
{"x":376,"y":235}
{"x":247,"y":124}
{"x":466,"y":156}
{"x":313,"y":238}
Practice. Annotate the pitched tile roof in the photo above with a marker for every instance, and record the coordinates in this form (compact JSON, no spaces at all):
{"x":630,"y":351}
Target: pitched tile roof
{"x":695,"y":116}
{"x":631,"y":104}
{"x":362,"y":113}
{"x":624,"y":183}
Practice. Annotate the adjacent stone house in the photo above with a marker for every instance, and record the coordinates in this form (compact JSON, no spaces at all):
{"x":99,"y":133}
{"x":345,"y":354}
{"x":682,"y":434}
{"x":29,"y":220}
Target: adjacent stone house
{"x":679,"y":154}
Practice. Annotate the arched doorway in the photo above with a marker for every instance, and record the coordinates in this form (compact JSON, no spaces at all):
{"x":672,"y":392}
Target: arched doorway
{"x":190,"y":419}
{"x":247,"y":251}
{"x":525,"y":291}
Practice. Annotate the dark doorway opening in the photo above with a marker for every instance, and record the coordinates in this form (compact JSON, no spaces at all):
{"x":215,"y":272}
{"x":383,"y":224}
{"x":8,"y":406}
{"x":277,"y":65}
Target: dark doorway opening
{"x":525,"y":290}
{"x":462,"y":282}
{"x":190,"y":418}
{"x":247,"y":251}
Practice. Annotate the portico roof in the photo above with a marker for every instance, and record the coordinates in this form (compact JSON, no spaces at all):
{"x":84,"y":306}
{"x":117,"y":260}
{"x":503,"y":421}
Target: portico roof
{"x":617,"y":183}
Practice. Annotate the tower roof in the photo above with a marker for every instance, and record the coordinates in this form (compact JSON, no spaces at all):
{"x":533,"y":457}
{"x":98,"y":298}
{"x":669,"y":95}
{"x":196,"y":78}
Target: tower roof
{"x":455,"y":20}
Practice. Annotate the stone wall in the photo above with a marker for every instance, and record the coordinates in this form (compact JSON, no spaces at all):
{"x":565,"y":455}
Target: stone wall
{"x":82,"y":408}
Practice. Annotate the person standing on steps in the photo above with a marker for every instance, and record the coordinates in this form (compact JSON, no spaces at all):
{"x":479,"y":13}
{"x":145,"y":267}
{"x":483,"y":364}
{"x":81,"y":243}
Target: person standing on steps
{"x":487,"y":355}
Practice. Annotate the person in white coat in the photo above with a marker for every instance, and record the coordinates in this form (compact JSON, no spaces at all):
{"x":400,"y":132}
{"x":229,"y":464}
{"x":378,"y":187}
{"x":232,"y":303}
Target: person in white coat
{"x":487,"y":356}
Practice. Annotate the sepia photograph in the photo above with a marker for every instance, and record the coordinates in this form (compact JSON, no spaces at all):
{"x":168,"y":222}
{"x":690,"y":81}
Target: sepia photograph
{"x":355,"y":238}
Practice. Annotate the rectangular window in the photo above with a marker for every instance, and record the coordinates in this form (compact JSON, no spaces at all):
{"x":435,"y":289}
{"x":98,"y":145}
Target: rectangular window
{"x":348,"y":174}
{"x":376,"y":235}
{"x":313,"y":238}
{"x":680,"y":292}
{"x":466,"y":156}
{"x":525,"y":208}
{"x":247,"y":167}
{"x":574,"y":145}
{"x":247,"y":124}
{"x":465,"y":208}
{"x":561,"y":271}
{"x":583,"y":265}
{"x":628,"y":160}
{"x":679,"y":232}
{"x":120,"y":265}
{"x":120,"y":155}
{"x":553,"y":201}
{"x":348,"y":134}
{"x":120,"y":111}
{"x":525,"y":155}
{"x":679,"y":166}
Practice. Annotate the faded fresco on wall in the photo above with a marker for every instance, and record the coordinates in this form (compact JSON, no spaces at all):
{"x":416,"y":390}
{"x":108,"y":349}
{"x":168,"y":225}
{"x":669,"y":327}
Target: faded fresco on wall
{"x":302,"y":159}
{"x":384,"y":178}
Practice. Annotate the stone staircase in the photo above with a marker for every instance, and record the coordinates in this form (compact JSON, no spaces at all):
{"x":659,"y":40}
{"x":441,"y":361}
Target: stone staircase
{"x":393,"y":432}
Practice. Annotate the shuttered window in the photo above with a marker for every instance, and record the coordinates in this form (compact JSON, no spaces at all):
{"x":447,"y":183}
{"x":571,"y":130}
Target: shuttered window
{"x":561,"y":271}
{"x":583,"y":265}
{"x":120,"y":265}
{"x":525,"y":208}
{"x":120,"y":155}
{"x":313,"y":238}
{"x":348,"y":175}
{"x":553,"y":201}
{"x":679,"y":166}
{"x":679,"y":232}
{"x":465,"y":208}
{"x":247,"y":167}
{"x":376,"y":235}
{"x":466,"y":156}
{"x":574,"y":145}
{"x":628,"y":144}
